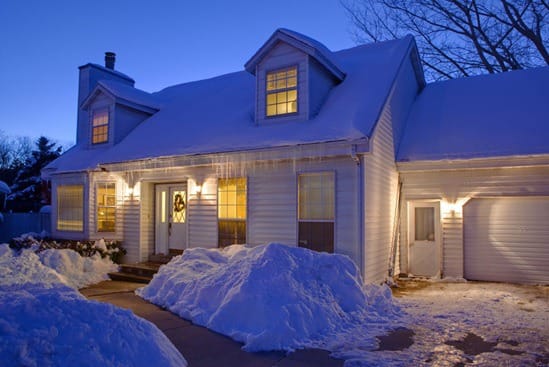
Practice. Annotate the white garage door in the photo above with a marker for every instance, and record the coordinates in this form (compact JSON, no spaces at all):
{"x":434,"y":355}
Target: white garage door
{"x":507,"y":239}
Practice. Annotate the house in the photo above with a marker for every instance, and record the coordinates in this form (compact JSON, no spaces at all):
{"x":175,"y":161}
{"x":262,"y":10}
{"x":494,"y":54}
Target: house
{"x":348,"y":152}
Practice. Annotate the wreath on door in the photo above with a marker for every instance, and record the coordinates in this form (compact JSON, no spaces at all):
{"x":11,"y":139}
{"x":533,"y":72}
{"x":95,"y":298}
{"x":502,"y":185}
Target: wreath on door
{"x":179,"y":203}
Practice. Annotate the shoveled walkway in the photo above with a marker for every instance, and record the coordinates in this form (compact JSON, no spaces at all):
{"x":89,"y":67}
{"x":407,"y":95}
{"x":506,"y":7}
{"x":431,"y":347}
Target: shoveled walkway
{"x":202,"y":347}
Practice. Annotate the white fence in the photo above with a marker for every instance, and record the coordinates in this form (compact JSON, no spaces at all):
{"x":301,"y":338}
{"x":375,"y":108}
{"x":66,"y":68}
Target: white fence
{"x":15,"y":224}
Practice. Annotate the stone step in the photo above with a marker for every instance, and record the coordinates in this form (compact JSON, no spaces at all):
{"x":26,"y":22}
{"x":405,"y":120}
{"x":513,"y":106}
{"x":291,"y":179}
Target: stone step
{"x":127,"y":277}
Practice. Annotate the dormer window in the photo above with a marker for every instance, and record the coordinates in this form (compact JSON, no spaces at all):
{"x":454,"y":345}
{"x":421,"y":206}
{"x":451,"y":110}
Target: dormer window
{"x":281,"y":92}
{"x":100,"y":126}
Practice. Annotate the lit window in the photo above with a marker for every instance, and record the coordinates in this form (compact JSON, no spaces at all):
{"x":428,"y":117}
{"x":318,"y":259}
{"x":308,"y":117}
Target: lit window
{"x":316,"y":196}
{"x":231,"y":210}
{"x":281,"y":96}
{"x":70,"y":208}
{"x":106,"y":207}
{"x":100,"y":126}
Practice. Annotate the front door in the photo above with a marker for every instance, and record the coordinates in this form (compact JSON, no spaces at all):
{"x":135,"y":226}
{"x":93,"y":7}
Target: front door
{"x":171,"y":217}
{"x":424,"y":238}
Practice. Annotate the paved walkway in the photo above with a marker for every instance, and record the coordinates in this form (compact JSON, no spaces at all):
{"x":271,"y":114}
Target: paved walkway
{"x":202,"y":347}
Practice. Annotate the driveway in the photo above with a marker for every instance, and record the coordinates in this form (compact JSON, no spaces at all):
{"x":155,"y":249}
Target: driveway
{"x":473,"y":323}
{"x":442,"y":324}
{"x":202,"y":347}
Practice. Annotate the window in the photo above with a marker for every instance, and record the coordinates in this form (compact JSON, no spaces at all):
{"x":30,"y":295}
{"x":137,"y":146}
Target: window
{"x":281,"y":95}
{"x":70,"y":208}
{"x":231,"y":211}
{"x":106,"y":207}
{"x":316,"y":196}
{"x":424,"y":224}
{"x":100,"y":126}
{"x":316,"y":207}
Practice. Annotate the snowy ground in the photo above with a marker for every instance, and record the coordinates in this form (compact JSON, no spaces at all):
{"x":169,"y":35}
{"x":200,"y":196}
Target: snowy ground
{"x":44,"y":321}
{"x":278,"y":297}
{"x":510,"y":320}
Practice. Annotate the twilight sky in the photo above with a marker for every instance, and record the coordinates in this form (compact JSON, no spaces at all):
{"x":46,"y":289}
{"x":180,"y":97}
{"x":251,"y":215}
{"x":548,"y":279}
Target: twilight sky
{"x":158,"y":43}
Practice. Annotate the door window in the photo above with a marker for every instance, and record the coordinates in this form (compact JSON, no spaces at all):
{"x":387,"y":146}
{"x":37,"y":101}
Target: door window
{"x":179,"y":210}
{"x":424,"y":224}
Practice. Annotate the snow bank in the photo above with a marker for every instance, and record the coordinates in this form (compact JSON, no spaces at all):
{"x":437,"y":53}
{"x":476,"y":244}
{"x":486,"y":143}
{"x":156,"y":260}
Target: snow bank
{"x":59,"y":327}
{"x":271,"y":297}
{"x":77,"y":271}
{"x":44,"y":321}
{"x":51,"y":267}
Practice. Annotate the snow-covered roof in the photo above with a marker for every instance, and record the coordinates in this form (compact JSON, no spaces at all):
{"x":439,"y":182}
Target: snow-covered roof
{"x":217,"y":115}
{"x":304,"y":43}
{"x":124,"y":92}
{"x":498,"y":115}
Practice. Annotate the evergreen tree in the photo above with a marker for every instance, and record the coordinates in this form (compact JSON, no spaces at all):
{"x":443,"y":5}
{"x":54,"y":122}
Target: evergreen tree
{"x":28,"y":187}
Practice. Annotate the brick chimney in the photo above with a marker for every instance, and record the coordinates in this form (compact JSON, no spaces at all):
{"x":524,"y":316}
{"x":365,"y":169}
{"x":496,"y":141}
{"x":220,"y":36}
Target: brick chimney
{"x":110,"y":58}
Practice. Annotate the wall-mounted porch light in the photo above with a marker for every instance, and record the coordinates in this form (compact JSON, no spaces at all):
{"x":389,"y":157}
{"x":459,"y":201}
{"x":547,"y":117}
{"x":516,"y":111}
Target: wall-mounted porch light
{"x":197,"y":189}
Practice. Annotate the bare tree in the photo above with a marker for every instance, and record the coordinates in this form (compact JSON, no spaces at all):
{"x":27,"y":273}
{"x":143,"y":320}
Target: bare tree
{"x":460,"y":37}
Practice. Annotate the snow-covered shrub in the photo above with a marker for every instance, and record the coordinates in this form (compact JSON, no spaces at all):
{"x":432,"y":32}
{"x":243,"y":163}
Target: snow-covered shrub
{"x":105,"y":248}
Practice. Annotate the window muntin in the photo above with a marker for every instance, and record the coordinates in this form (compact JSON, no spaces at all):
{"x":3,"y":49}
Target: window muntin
{"x":231,"y":198}
{"x":106,"y":207}
{"x":100,"y":126}
{"x":316,"y":196}
{"x":70,"y":208}
{"x":281,"y":92}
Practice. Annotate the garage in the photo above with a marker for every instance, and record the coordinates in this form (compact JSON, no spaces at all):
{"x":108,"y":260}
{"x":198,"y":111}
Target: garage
{"x":507,"y":239}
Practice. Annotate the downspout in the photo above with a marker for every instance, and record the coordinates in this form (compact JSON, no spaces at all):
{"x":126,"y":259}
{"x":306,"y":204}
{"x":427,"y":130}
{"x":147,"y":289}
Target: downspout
{"x":360,"y":207}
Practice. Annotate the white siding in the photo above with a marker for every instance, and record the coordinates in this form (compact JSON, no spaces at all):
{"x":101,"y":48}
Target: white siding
{"x":506,"y":239}
{"x":381,"y":178}
{"x":130,"y":212}
{"x":457,"y":186}
{"x":203,"y":216}
{"x":272,"y":202}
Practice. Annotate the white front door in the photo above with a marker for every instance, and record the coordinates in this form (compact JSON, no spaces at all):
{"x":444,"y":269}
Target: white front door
{"x":171,"y":217}
{"x":424,"y":238}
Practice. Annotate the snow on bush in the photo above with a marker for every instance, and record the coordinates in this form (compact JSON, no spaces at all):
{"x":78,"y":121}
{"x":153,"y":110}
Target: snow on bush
{"x":271,"y":297}
{"x":65,"y":266}
{"x":76,"y":270}
{"x":59,"y":327}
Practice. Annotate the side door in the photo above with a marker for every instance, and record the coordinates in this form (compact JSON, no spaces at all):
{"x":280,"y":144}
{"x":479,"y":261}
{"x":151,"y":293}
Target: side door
{"x":424,"y":240}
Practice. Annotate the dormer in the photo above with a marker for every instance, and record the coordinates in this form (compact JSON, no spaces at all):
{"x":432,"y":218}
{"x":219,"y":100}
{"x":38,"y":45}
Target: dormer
{"x":109,"y":106}
{"x":294,"y":75}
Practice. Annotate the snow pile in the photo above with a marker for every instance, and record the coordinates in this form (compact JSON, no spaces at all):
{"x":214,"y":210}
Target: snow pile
{"x":44,"y":322}
{"x":52,"y":266}
{"x":59,"y":327}
{"x":272,"y":297}
{"x":77,"y":271}
{"x":17,"y":269}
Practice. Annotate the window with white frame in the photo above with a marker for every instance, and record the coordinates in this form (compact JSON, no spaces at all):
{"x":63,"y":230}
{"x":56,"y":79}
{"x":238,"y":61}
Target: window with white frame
{"x":281,"y":92}
{"x":70,"y":208}
{"x":316,"y":211}
{"x":231,"y":211}
{"x":316,"y":196}
{"x":106,"y":206}
{"x":100,"y":126}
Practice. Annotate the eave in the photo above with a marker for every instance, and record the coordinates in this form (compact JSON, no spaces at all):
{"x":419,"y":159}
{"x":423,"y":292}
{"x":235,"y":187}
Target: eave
{"x":537,"y":160}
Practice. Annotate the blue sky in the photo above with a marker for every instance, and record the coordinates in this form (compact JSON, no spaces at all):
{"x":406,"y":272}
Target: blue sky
{"x":158,"y":43}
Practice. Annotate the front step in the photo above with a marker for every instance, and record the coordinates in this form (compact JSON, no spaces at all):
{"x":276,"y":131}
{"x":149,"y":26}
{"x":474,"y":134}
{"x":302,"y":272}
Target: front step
{"x":137,"y":273}
{"x":127,"y":277}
